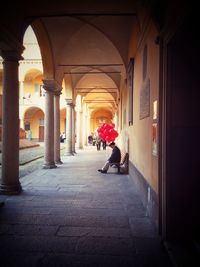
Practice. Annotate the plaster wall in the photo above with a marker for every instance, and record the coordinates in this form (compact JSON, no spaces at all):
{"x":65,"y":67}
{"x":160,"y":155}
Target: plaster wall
{"x":138,"y":137}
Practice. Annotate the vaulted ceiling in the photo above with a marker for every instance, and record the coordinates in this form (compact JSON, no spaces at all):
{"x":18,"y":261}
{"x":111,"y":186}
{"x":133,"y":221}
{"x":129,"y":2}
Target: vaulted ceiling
{"x":85,"y":42}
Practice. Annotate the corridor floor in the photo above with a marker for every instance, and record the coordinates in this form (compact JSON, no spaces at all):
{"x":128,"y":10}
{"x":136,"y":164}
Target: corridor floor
{"x":75,"y":216}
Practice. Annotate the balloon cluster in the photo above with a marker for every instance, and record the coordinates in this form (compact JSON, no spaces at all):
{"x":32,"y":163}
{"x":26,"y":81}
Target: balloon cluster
{"x":107,"y":132}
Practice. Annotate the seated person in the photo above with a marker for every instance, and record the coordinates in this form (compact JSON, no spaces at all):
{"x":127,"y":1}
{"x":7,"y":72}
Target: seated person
{"x":114,"y":158}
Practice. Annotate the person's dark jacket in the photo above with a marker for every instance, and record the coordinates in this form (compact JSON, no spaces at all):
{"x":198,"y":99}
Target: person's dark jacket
{"x":115,"y":156}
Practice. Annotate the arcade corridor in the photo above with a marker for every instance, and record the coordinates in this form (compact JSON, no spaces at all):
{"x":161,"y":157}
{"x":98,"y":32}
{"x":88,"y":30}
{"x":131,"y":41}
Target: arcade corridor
{"x":134,"y":63}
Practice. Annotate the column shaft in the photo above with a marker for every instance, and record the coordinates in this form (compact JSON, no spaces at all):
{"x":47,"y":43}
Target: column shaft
{"x":79,"y":130}
{"x":68,"y":150}
{"x":10,"y":140}
{"x":49,"y":130}
{"x":57,"y":128}
{"x":73,"y":130}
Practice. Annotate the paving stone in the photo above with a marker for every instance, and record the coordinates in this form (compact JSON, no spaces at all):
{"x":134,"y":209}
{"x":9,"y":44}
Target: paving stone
{"x":29,"y":244}
{"x":105,"y":246}
{"x":142,"y":227}
{"x":63,"y":260}
{"x":94,"y":232}
{"x":21,"y":259}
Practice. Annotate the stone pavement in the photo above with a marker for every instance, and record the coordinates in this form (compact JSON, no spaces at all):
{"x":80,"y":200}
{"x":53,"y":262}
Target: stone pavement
{"x":75,"y":216}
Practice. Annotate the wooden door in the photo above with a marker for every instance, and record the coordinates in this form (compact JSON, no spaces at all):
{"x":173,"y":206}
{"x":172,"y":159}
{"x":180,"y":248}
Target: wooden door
{"x":41,"y":133}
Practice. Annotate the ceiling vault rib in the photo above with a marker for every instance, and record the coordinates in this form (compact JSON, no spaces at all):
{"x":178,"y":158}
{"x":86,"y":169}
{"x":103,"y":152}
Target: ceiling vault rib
{"x":123,"y":14}
{"x":92,"y":88}
{"x":98,"y":92}
{"x":94,"y":72}
{"x":90,"y":65}
{"x":99,"y":101}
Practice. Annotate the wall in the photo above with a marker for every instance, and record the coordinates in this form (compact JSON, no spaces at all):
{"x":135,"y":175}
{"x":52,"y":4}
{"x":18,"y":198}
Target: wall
{"x":138,"y":136}
{"x":62,"y":120}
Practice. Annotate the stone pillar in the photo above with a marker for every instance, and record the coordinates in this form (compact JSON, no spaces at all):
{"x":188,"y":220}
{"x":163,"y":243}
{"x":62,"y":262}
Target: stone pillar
{"x":22,"y":123}
{"x":49,"y":86}
{"x":79,"y":138}
{"x":57,"y":127}
{"x":85,"y":136}
{"x":88,"y":124}
{"x":21,"y":92}
{"x":73,"y":130}
{"x":10,"y":124}
{"x":68,"y":151}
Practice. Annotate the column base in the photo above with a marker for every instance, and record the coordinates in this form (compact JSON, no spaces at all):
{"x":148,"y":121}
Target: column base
{"x":10,"y":189}
{"x":49,"y":166}
{"x":58,"y":162}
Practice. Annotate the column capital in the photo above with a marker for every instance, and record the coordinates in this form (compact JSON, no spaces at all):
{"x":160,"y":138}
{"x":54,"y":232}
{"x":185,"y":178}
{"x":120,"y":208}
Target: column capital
{"x":69,"y":101}
{"x":50,"y":85}
{"x":11,"y":44}
{"x":58,"y":93}
{"x":11,"y":55}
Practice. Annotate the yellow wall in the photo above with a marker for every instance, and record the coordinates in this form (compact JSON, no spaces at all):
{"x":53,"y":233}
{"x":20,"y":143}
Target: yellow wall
{"x":29,"y":87}
{"x":62,"y":120}
{"x":138,"y":137}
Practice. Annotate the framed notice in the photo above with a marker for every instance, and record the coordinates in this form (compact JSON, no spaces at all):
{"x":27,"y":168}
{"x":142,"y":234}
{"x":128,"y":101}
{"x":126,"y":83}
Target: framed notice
{"x":145,"y":100}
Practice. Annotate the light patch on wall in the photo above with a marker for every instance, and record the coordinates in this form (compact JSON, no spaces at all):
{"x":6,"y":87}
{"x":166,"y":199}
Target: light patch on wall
{"x":154,"y":139}
{"x":155,"y":110}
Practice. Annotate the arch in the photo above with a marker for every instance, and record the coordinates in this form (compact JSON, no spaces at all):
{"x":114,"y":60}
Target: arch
{"x":45,"y":48}
{"x":99,"y":116}
{"x":33,"y":118}
{"x":69,"y":52}
{"x":99,"y":91}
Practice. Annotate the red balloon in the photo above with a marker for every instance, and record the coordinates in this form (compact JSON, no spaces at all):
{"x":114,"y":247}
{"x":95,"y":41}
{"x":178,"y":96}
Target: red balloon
{"x":112,"y":125}
{"x":108,"y":139}
{"x":107,"y":132}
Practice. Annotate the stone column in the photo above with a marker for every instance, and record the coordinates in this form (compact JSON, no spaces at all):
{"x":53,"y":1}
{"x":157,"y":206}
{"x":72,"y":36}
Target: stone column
{"x":57,"y":127}
{"x":22,"y":123}
{"x":73,"y":130}
{"x":88,"y":124}
{"x":10,"y":124}
{"x":68,"y":151}
{"x":79,"y":130}
{"x":85,"y":132}
{"x":21,"y":92}
{"x":49,"y":86}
